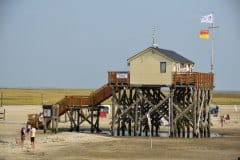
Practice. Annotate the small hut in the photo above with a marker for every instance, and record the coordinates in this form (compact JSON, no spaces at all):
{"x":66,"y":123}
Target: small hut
{"x":155,"y":66}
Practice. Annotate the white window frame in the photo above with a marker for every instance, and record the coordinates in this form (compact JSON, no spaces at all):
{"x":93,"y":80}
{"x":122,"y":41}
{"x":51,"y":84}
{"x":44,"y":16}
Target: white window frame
{"x":163,"y":68}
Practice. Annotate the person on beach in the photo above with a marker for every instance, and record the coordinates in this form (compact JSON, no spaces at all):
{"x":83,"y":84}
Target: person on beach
{"x":222,"y":120}
{"x":23,"y":135}
{"x":33,"y":135}
{"x":28,"y":130}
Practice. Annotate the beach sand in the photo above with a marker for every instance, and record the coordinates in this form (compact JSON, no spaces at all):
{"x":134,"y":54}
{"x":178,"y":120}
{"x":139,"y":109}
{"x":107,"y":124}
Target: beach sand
{"x":73,"y":145}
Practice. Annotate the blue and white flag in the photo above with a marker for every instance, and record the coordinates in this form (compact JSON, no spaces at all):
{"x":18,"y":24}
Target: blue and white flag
{"x":207,"y":18}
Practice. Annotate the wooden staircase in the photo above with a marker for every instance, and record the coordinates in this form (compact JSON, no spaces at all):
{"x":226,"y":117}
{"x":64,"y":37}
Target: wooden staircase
{"x":93,"y":100}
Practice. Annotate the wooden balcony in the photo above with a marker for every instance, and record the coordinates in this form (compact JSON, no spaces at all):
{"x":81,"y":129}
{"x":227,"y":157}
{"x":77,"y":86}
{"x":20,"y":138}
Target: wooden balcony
{"x":118,"y":77}
{"x":200,"y":80}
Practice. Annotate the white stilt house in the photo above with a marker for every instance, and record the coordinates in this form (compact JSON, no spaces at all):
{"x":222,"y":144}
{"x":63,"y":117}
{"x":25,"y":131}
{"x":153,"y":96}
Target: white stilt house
{"x":155,"y":66}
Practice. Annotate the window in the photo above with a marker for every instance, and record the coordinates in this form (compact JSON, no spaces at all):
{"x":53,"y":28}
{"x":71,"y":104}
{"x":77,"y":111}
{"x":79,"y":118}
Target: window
{"x":163,"y":67}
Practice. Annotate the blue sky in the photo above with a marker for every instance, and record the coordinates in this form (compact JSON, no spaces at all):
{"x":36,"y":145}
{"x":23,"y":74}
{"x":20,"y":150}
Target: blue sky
{"x":73,"y":43}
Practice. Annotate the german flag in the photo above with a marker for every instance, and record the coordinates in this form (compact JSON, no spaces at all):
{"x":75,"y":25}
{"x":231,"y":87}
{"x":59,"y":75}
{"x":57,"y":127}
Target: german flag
{"x":204,"y":34}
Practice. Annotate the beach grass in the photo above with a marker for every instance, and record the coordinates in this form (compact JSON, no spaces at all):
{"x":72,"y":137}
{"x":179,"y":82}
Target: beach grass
{"x":38,"y":96}
{"x":226,"y":98}
{"x":52,"y":96}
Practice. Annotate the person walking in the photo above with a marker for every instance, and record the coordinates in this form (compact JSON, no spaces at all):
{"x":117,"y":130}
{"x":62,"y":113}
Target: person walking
{"x":222,"y":120}
{"x":28,"y":130}
{"x":23,"y":135}
{"x":33,"y":135}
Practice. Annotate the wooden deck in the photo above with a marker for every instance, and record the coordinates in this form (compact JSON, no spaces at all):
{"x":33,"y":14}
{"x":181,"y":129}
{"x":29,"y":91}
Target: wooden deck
{"x":200,"y":80}
{"x":118,"y":77}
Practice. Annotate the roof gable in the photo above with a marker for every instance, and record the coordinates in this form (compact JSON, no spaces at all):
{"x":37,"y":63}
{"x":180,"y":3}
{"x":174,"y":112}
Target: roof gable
{"x":168,"y":53}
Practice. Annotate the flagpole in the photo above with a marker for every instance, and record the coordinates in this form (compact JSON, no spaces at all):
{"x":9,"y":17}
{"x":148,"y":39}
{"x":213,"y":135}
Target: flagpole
{"x":212,"y":42}
{"x":212,"y":27}
{"x":210,"y":20}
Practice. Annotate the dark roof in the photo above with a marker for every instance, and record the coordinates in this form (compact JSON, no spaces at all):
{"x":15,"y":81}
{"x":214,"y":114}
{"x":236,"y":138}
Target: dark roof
{"x":173,"y":55}
{"x":168,"y":53}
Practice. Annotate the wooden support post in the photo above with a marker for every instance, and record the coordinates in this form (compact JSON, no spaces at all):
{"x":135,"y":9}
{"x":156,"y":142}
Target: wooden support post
{"x":113,"y":111}
{"x":140,"y":120}
{"x":78,"y":120}
{"x":140,"y":123}
{"x":209,"y":125}
{"x":157,"y":129}
{"x":200,"y":112}
{"x":135,"y":120}
{"x":92,"y":126}
{"x":194,"y":112}
{"x":205,"y":131}
{"x":135,"y":111}
{"x":146,"y":129}
{"x":178,"y":130}
{"x":97,"y":121}
{"x":52,"y":125}
{"x":57,"y":118}
{"x":65,"y":117}
{"x":44,"y":125}
{"x":123,"y":128}
{"x":201,"y":131}
{"x":183,"y":131}
{"x":52,"y":119}
{"x":171,"y":113}
{"x":174,"y":130}
{"x":209,"y":116}
{"x":188,"y":131}
{"x":205,"y":113}
{"x":118,"y":127}
{"x":152,"y":130}
{"x":129,"y":128}
{"x":81,"y":116}
{"x":75,"y":114}
{"x":71,"y":120}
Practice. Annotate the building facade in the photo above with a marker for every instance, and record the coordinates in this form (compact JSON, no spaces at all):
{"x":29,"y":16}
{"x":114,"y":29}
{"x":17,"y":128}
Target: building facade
{"x":155,"y":66}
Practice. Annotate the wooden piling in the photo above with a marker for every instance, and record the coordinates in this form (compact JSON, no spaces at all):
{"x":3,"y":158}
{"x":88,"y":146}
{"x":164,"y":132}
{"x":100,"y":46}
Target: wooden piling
{"x":113,"y":112}
{"x":78,"y":120}
{"x":129,"y":128}
{"x":194,"y":112}
{"x":171,"y":113}
{"x":92,"y":126}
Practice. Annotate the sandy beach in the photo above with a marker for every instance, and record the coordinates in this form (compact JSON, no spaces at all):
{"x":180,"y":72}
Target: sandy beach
{"x":73,"y":145}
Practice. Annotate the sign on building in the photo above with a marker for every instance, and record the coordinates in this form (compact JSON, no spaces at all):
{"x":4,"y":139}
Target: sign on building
{"x":47,"y":111}
{"x":122,"y":75}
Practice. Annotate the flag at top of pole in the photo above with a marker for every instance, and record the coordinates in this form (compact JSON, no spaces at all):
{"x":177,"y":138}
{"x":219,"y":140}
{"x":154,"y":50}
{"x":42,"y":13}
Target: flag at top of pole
{"x":204,"y":34}
{"x":207,"y":18}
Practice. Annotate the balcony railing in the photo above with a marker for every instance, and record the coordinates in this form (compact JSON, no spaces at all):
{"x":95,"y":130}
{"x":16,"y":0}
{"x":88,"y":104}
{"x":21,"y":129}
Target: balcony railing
{"x":118,"y":77}
{"x":203,"y":80}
